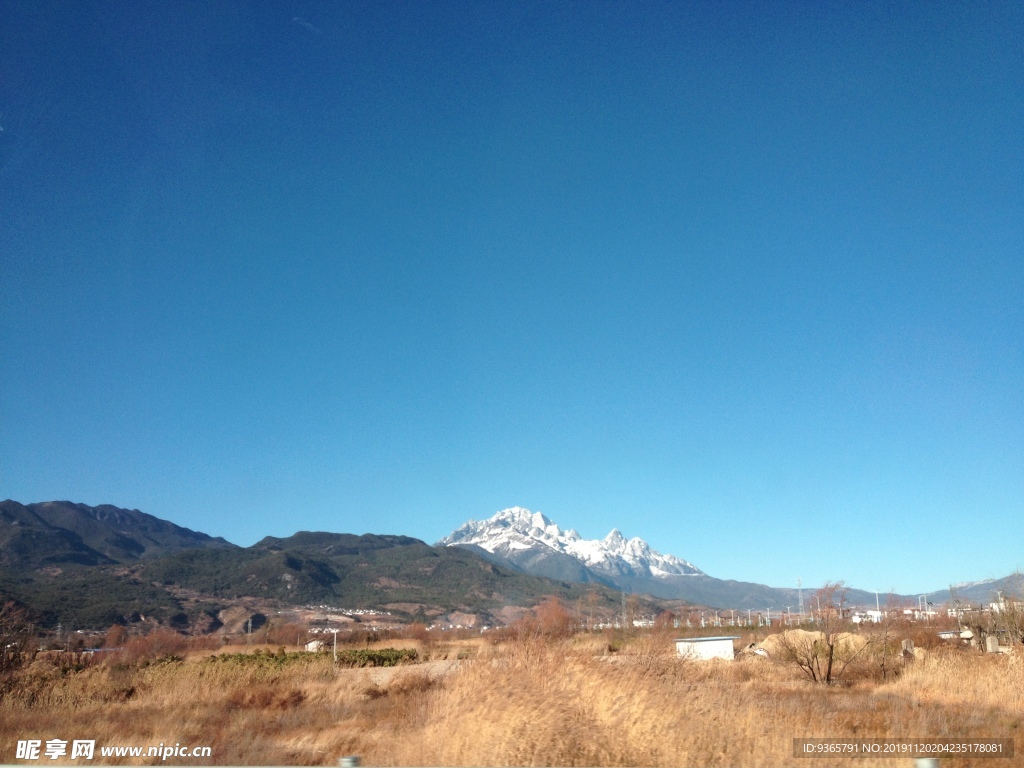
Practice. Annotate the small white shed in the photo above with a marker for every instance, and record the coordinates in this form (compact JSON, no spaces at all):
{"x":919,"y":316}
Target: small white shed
{"x":706,"y":647}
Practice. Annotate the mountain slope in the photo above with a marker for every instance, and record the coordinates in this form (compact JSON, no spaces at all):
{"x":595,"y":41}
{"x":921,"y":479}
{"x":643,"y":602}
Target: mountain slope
{"x":29,"y":541}
{"x":375,"y":570}
{"x":983,"y":592}
{"x":124,"y":535}
{"x":397,"y":573}
{"x":62,"y":532}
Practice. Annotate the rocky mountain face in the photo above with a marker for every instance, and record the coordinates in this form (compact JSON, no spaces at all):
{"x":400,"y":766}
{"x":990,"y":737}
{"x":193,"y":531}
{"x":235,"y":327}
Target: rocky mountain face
{"x":533,"y":543}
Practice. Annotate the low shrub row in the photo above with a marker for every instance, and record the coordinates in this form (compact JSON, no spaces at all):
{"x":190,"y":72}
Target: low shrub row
{"x":348,"y":657}
{"x":385,"y":657}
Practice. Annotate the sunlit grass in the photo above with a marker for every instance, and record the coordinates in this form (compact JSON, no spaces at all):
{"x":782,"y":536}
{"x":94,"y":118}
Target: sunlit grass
{"x":526,"y":701}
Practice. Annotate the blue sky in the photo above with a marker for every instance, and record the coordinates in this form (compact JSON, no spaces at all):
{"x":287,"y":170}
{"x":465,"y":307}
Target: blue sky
{"x":743,"y":279}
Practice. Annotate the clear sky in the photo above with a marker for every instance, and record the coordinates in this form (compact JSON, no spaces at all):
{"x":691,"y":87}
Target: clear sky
{"x":743,"y":279}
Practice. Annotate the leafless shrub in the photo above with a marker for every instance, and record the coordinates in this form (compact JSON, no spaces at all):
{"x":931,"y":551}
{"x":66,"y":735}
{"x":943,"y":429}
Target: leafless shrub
{"x":115,"y":636}
{"x":16,"y":638}
{"x":162,"y":643}
{"x":1010,"y":618}
{"x":826,"y":654}
{"x":290,"y":634}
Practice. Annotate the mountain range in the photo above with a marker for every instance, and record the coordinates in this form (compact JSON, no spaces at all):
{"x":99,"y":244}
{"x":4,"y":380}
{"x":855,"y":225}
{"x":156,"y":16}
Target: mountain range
{"x":91,"y":567}
{"x":530,"y":542}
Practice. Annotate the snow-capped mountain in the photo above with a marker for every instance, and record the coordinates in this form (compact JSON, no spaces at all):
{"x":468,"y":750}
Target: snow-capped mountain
{"x":529,"y":542}
{"x":533,"y":543}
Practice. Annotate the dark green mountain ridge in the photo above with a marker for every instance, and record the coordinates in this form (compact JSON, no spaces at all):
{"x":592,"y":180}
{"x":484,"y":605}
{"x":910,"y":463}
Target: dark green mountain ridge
{"x":62,"y":532}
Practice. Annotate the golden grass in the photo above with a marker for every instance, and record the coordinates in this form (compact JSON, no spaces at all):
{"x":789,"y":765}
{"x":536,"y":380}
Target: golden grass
{"x":529,"y":702}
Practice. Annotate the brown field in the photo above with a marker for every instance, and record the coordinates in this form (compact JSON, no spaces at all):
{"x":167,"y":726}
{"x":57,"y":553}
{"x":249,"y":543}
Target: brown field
{"x":522,"y":701}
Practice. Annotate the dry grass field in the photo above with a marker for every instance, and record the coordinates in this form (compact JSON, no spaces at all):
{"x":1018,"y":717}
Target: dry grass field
{"x":524,"y":701}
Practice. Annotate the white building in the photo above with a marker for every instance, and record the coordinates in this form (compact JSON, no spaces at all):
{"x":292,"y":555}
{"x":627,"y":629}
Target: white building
{"x":873,"y":616}
{"x":706,"y":647}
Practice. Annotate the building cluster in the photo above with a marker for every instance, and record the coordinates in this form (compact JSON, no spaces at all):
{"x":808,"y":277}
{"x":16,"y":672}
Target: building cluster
{"x":907,"y":614}
{"x":347,"y":611}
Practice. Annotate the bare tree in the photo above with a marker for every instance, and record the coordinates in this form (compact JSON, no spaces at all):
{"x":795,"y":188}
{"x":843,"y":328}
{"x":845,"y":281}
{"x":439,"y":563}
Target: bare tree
{"x":826,"y":654}
{"x":554,"y":618}
{"x":632,"y":612}
{"x":592,"y":599}
{"x":1011,"y":619}
{"x":979,"y":621}
{"x":1007,"y":618}
{"x":16,"y":635}
{"x":888,"y":651}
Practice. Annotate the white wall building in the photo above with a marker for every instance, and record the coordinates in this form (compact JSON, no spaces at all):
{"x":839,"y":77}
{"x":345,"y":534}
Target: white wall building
{"x":706,"y":647}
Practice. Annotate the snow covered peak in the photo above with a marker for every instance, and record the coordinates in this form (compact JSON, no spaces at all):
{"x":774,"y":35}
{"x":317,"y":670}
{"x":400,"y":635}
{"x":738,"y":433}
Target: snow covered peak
{"x":515,"y":530}
{"x":517,"y":517}
{"x":614,"y":537}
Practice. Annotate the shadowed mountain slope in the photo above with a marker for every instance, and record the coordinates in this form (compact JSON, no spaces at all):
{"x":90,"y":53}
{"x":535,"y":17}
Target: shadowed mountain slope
{"x":56,"y":532}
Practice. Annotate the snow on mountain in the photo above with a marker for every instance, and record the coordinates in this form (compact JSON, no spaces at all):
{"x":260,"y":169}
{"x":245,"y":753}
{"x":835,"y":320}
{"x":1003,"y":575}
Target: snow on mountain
{"x":968,"y":584}
{"x":516,"y":531}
